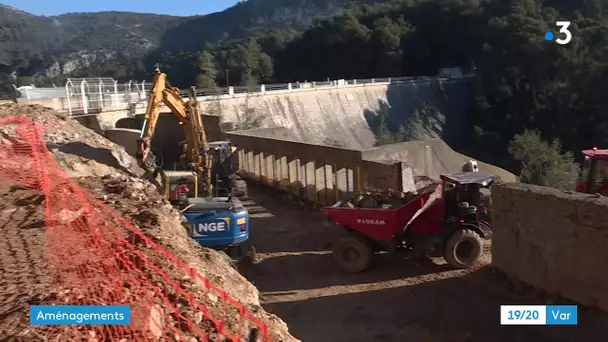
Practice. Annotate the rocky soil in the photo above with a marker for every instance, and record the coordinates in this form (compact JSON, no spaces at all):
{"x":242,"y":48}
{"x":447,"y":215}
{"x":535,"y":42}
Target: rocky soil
{"x":112,"y":176}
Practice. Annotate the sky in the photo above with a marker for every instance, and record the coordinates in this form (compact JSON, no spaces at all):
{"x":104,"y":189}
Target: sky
{"x":172,"y":7}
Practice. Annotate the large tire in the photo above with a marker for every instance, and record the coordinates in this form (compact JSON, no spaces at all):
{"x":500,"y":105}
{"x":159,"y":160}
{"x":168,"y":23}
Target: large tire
{"x":463,"y":248}
{"x":240,"y":188}
{"x":352,"y":253}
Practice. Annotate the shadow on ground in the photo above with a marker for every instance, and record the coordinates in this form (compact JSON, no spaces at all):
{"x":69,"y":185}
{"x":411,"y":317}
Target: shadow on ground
{"x":306,"y":271}
{"x":282,"y":226}
{"x":100,"y":155}
{"x":454,"y":309}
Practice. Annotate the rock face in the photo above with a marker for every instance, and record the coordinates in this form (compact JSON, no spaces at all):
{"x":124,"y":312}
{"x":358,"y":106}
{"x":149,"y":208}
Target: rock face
{"x":553,"y":240}
{"x":112,"y":175}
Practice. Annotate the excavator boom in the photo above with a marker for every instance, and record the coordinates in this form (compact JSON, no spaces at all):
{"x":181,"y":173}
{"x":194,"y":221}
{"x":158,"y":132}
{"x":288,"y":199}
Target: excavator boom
{"x":196,"y":138}
{"x":187,"y":113}
{"x":155,"y":100}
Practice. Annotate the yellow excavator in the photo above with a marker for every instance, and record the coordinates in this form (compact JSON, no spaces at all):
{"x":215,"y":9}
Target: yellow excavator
{"x":206,"y":167}
{"x":214,"y":220}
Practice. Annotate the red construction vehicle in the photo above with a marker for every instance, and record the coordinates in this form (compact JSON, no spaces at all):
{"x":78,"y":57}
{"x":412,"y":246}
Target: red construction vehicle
{"x":442,"y":219}
{"x":594,"y":176}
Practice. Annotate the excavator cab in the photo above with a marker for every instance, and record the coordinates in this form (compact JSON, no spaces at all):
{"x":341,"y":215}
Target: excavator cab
{"x":594,"y":174}
{"x":221,"y":154}
{"x":224,"y":167}
{"x":179,"y":185}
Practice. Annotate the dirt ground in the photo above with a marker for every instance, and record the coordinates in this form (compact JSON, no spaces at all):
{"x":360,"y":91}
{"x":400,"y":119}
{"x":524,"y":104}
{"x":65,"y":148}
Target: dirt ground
{"x":395,"y":301}
{"x":24,"y":269}
{"x":24,"y":279}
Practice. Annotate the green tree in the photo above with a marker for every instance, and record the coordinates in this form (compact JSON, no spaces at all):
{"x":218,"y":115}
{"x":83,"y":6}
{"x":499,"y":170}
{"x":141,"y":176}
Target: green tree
{"x":252,"y":64}
{"x":206,"y":72}
{"x":543,"y":163}
{"x":386,"y":44}
{"x":25,"y":81}
{"x":521,"y":80}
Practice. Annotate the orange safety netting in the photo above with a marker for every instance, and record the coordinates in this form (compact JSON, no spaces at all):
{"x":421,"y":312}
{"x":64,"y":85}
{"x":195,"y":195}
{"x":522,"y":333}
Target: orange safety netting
{"x":98,"y":258}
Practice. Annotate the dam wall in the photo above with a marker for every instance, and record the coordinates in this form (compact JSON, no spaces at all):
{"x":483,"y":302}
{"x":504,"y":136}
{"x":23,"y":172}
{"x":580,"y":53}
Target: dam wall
{"x":346,"y":116}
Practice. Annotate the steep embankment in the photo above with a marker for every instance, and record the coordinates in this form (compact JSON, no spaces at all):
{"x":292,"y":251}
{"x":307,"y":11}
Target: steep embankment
{"x":347,"y":116}
{"x":110,"y":175}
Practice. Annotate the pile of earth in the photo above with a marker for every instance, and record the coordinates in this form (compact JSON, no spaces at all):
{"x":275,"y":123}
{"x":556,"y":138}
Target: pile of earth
{"x":80,"y":151}
{"x":110,"y":174}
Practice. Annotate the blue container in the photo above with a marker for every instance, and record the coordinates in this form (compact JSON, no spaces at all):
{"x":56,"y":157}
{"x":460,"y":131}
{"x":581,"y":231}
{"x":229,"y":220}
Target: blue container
{"x":217,"y":222}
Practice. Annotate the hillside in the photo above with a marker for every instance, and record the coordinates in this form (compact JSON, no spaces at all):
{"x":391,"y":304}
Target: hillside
{"x":72,"y":40}
{"x":31,"y":44}
{"x":524,"y":82}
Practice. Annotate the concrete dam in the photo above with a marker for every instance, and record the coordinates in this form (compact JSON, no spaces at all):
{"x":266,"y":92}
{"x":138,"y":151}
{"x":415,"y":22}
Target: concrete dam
{"x":430,"y":111}
{"x":347,"y":116}
{"x":343,"y":117}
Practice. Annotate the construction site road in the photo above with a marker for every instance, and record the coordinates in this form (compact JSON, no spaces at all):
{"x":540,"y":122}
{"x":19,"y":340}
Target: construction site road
{"x":394,"y":301}
{"x":397,"y":300}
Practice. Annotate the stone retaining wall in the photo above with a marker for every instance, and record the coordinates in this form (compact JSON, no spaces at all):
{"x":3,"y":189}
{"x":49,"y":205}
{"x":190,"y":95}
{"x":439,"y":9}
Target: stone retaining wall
{"x":552,"y":240}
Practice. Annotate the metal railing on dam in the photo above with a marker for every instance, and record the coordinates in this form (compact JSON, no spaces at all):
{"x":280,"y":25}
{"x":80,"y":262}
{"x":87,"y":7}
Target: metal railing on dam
{"x":92,"y":96}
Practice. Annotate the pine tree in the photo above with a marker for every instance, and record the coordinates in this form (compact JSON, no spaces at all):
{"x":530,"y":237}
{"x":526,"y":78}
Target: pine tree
{"x":207,"y":72}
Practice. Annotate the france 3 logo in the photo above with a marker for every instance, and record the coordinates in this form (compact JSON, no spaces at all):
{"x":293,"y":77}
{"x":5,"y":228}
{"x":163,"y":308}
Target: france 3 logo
{"x":564,"y":31}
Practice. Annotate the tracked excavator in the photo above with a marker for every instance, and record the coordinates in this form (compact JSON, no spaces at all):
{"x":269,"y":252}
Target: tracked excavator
{"x":594,"y":174}
{"x":207,"y":169}
{"x":207,"y":187}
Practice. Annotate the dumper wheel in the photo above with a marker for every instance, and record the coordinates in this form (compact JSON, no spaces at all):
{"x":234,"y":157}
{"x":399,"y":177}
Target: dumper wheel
{"x":463,"y":248}
{"x":352,"y":253}
{"x":240,"y":188}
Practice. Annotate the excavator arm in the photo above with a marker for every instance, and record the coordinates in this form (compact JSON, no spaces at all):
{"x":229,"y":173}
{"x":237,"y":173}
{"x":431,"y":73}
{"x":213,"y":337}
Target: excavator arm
{"x":187,"y":113}
{"x":197,"y":147}
{"x":155,"y":100}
